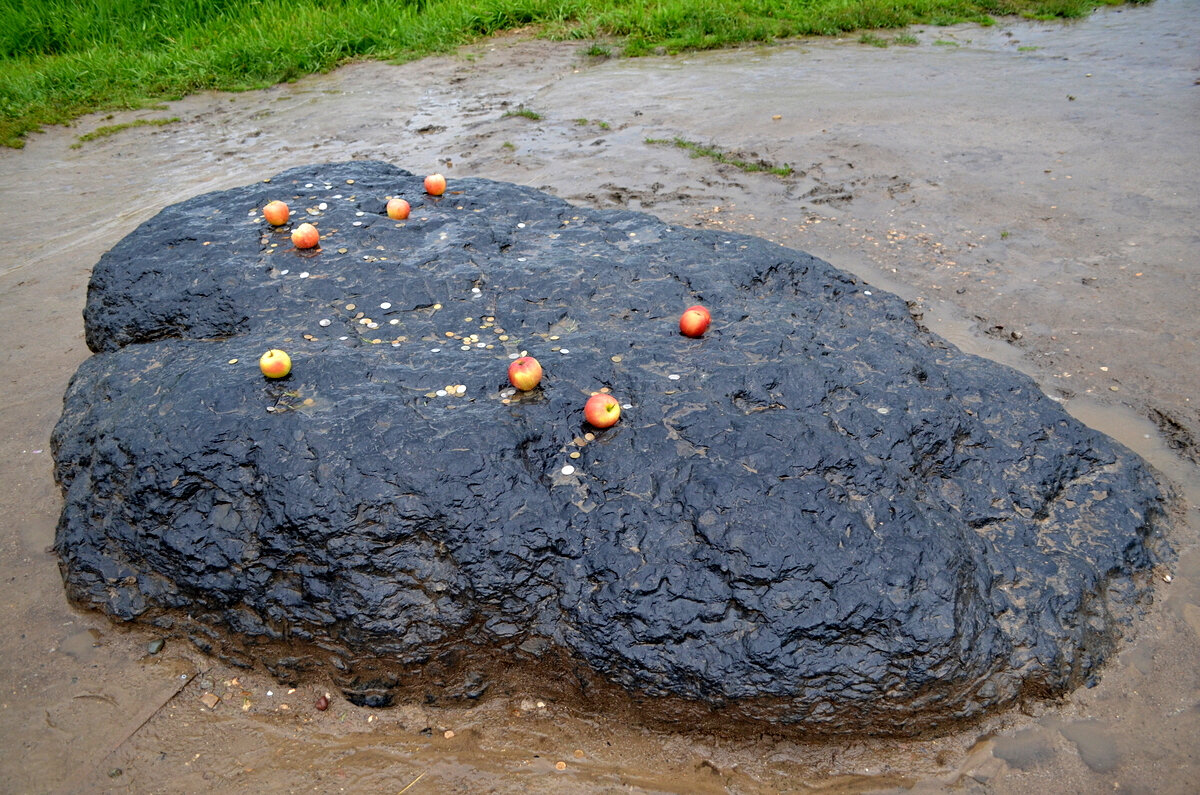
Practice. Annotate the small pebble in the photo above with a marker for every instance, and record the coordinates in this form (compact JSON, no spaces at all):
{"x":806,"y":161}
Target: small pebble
{"x":322,"y":703}
{"x":155,"y":646}
{"x":448,"y":734}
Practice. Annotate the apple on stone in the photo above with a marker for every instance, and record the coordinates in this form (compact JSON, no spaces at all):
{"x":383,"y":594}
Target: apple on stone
{"x":435,"y":184}
{"x":397,"y":209}
{"x":275,"y":363}
{"x":276,"y":213}
{"x":602,"y":410}
{"x":305,"y":236}
{"x":694,"y":321}
{"x":525,"y":373}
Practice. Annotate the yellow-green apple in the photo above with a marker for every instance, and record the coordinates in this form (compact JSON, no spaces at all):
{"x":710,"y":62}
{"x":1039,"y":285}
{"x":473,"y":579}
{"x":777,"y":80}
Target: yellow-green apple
{"x":602,"y":410}
{"x":694,"y":321}
{"x":397,"y":209}
{"x":435,"y":184}
{"x":525,"y":373}
{"x":275,"y":363}
{"x":305,"y":236}
{"x":276,"y":213}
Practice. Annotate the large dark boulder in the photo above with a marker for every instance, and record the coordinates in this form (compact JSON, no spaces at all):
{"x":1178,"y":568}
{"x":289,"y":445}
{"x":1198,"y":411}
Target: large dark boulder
{"x":817,"y":515}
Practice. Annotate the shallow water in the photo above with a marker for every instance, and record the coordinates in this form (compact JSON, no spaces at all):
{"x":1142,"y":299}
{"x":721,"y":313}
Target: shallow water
{"x":1036,"y":206}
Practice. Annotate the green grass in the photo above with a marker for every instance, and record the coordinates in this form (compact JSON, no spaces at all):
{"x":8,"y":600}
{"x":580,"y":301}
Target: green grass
{"x":60,"y":59}
{"x":524,"y":113}
{"x":699,"y":150}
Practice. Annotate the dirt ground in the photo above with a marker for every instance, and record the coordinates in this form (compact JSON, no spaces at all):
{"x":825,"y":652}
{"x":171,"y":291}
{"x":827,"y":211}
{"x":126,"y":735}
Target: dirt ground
{"x":1030,"y":188}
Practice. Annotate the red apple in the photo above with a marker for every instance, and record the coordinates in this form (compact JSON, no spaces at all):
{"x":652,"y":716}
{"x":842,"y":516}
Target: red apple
{"x":276,"y":213}
{"x":525,"y":373}
{"x":275,"y":363}
{"x":397,"y":209}
{"x":305,"y":236}
{"x":694,"y":321}
{"x":435,"y":184}
{"x":602,"y":410}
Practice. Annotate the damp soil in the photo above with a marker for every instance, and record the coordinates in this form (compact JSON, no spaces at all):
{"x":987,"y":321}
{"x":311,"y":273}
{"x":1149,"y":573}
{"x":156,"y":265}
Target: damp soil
{"x":1028,"y":188}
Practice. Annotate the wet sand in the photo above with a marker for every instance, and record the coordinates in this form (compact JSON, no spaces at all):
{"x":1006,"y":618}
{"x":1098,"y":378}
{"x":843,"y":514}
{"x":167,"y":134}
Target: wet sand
{"x":1029,"y":188}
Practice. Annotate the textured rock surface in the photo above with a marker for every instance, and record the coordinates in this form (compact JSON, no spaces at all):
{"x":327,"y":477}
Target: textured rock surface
{"x":817,"y":515}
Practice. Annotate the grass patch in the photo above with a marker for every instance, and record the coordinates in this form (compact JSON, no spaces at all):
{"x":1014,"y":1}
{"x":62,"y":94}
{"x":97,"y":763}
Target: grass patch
{"x":873,"y":40}
{"x":712,"y":153}
{"x":60,"y":59}
{"x":524,"y":113}
{"x":113,"y":129}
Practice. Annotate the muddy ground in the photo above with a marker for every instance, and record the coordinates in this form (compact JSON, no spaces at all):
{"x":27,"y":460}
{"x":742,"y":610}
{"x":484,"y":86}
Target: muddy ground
{"x":1030,"y":188}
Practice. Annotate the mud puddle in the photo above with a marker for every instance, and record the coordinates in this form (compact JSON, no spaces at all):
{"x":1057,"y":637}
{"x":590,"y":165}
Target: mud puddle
{"x":1028,"y":188}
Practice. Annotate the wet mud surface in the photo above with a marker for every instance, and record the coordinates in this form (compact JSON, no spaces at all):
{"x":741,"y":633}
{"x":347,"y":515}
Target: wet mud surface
{"x":1028,"y":188}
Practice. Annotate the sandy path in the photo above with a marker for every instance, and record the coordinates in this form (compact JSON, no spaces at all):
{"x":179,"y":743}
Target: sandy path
{"x":1029,"y":188}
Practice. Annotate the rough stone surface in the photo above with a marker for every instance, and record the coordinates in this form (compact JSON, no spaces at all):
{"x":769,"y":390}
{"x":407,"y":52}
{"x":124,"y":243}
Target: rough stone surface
{"x":818,"y":515}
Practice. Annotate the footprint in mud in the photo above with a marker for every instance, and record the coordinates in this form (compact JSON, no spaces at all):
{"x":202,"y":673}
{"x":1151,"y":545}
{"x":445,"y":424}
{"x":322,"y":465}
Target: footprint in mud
{"x":623,"y":196}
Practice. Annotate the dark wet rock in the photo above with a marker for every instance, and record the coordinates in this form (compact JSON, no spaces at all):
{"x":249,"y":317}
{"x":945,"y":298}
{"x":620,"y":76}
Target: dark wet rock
{"x":831,"y":519}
